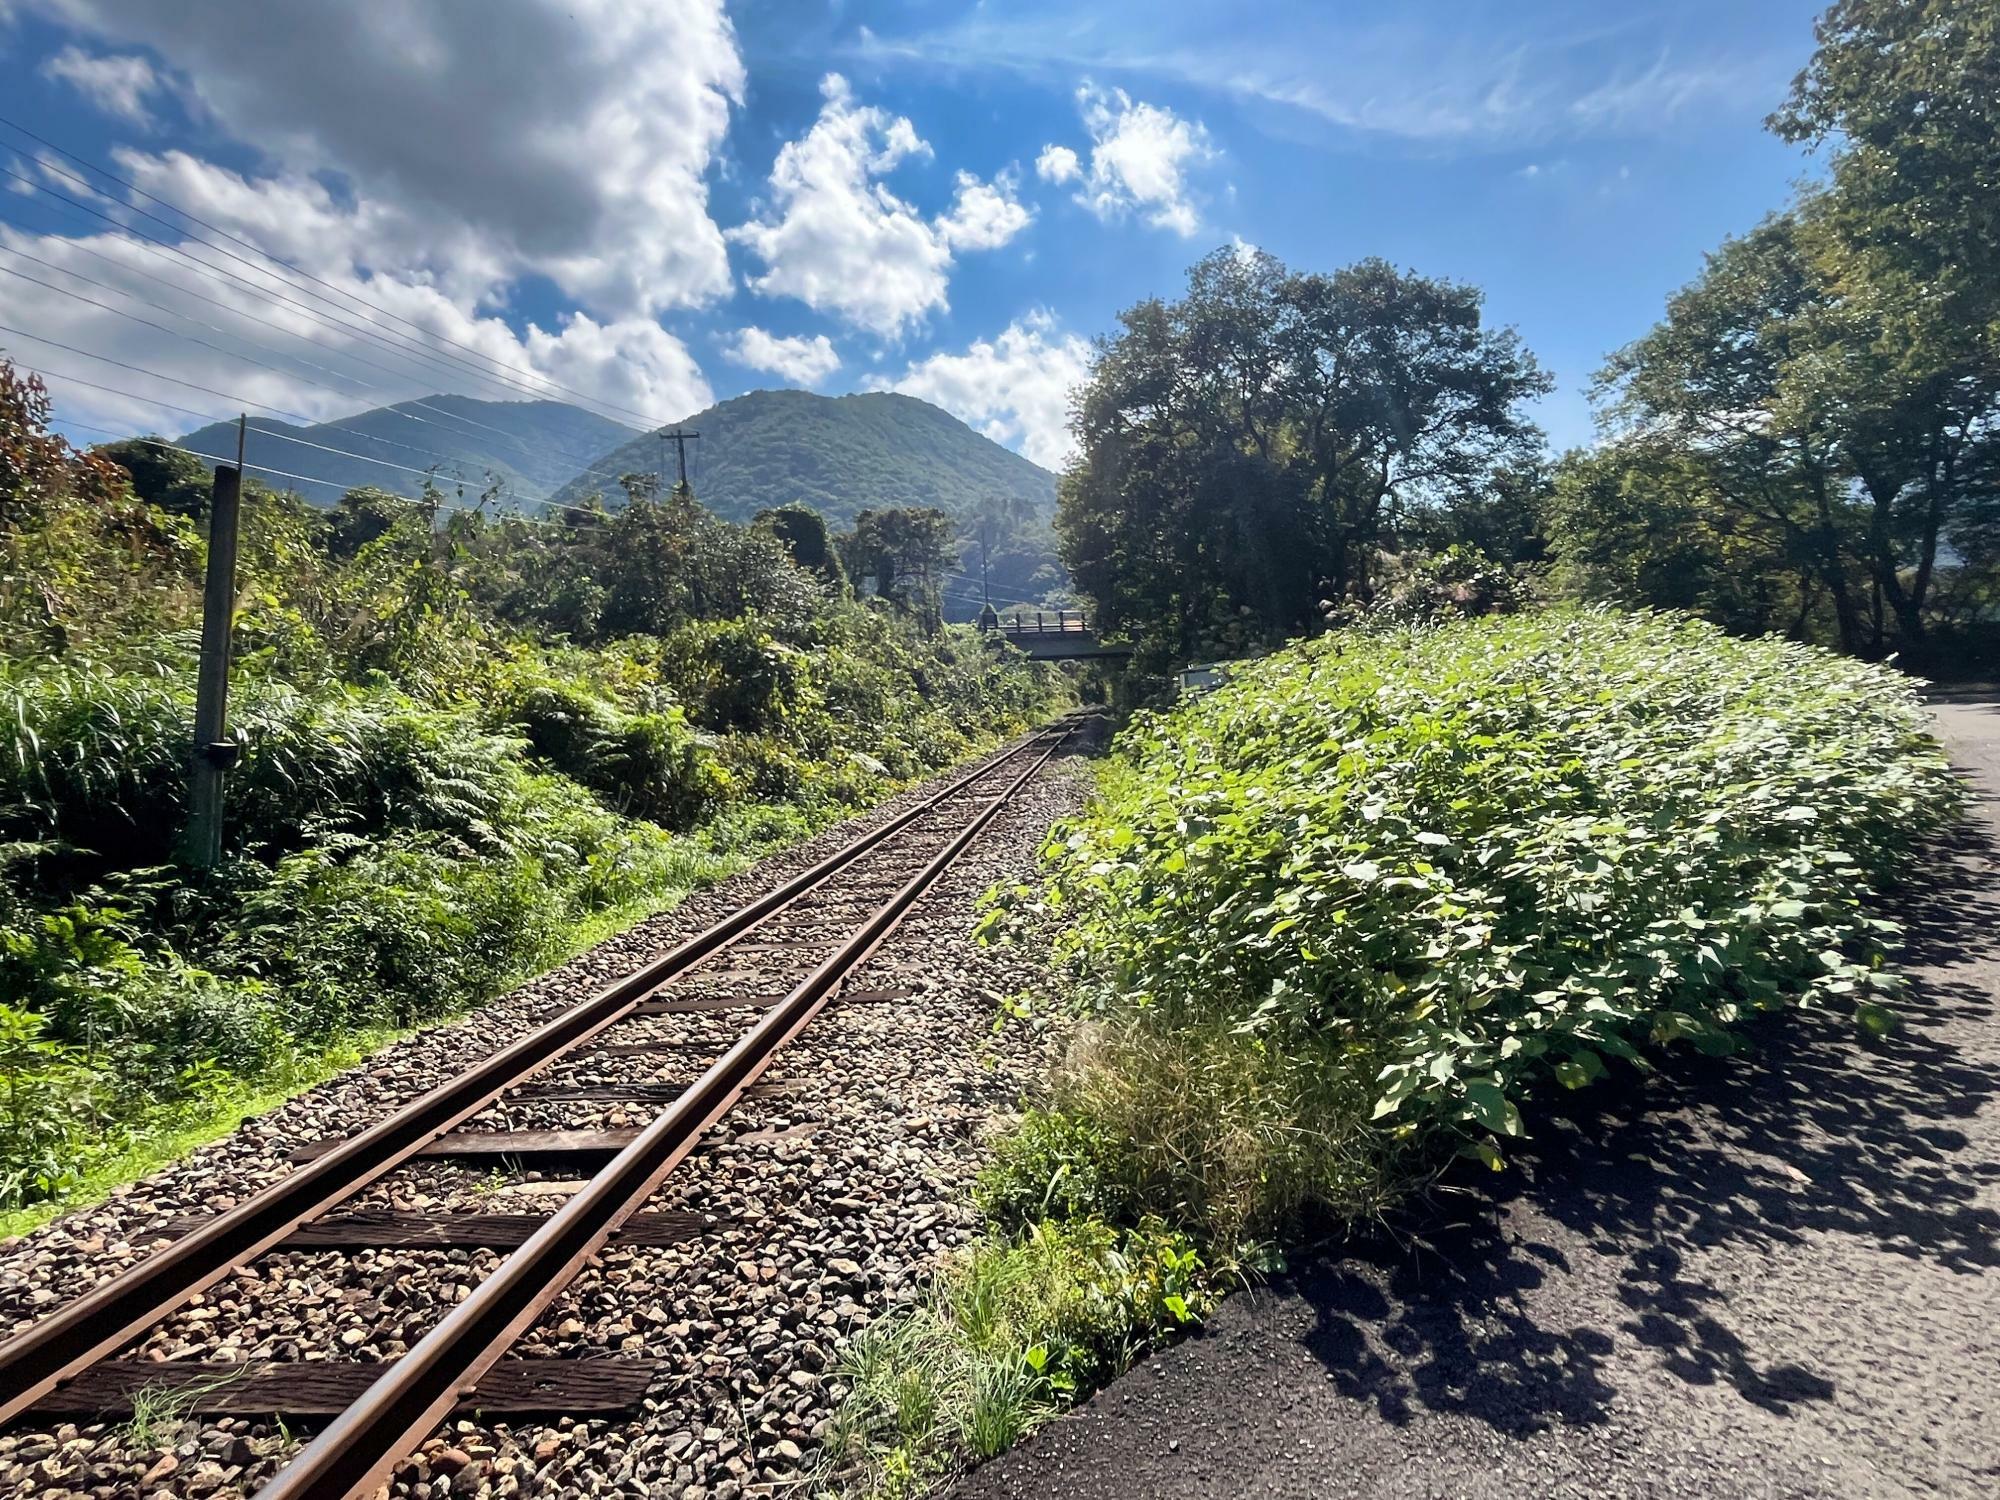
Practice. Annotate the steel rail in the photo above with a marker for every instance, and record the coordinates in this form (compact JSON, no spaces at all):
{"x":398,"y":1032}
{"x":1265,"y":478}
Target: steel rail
{"x":40,"y":1357}
{"x":356,"y":1451}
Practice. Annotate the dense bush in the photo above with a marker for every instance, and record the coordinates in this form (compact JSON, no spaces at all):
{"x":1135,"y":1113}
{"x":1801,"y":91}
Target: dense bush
{"x":1383,"y":888}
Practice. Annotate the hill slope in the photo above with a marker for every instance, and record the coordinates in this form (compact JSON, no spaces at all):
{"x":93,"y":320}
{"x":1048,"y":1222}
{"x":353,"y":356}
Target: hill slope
{"x":838,"y":454}
{"x":529,"y":446}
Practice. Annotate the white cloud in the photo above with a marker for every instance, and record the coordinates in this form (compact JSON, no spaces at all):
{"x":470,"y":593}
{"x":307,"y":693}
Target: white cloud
{"x":802,"y":361}
{"x":275,"y":358}
{"x":1014,"y":388}
{"x":1139,"y":159}
{"x":571,"y":142}
{"x":422,"y":165}
{"x":984,"y":215}
{"x":840,"y":241}
{"x":1057,"y":164}
{"x":116,"y":85}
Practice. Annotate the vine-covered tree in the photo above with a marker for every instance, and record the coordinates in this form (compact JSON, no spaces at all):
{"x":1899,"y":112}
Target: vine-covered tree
{"x":1247,"y":449}
{"x":905,"y":554}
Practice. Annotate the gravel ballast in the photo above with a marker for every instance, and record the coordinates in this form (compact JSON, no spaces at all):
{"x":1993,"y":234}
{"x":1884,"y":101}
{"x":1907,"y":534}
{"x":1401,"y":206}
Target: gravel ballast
{"x":827,"y":1195}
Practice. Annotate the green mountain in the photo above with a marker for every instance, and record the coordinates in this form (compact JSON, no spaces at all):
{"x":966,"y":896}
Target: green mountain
{"x":838,"y":454}
{"x":528,"y":447}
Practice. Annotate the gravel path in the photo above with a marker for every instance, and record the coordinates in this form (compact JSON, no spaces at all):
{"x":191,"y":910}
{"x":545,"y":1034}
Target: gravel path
{"x":1772,"y":1276}
{"x":828,"y":1193}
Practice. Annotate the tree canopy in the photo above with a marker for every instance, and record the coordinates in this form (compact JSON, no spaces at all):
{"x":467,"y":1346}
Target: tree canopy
{"x":1248,"y":448}
{"x":1810,"y":439}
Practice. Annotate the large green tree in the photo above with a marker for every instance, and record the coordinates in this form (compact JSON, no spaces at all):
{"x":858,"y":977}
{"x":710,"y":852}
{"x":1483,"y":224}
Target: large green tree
{"x":1248,"y":449}
{"x":1826,"y":395}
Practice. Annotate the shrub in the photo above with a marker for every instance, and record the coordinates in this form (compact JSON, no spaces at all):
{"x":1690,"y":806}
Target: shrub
{"x":1015,"y":1328}
{"x":1382,"y":888}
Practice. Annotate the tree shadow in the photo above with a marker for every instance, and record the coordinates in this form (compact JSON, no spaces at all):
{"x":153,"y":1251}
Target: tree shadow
{"x":1812,"y":1131}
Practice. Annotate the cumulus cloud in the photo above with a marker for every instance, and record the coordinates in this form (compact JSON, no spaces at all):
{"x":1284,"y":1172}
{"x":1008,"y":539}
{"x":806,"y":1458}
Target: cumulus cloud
{"x":1140,"y":155}
{"x":301,"y":359}
{"x":837,"y":239}
{"x":1014,"y":388}
{"x":1058,"y":164}
{"x":571,"y":142}
{"x":984,"y":215}
{"x":116,"y":85}
{"x":422,"y":166}
{"x":802,"y":361}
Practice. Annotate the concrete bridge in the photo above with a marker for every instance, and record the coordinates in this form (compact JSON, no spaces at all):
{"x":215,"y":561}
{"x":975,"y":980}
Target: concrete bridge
{"x":1051,"y":634}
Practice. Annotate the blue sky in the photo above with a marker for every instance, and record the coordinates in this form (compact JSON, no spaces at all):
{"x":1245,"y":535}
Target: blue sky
{"x":650,"y":205}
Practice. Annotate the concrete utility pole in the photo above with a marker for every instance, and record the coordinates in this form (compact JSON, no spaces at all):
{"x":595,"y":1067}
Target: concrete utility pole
{"x":680,"y":441}
{"x":212,"y":754}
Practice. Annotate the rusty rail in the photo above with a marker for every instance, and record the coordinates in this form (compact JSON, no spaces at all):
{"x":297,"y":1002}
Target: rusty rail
{"x":39,"y":1358}
{"x":354,"y":1453}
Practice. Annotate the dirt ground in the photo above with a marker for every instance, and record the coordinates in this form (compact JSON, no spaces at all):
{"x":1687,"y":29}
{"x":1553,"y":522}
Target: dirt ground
{"x":1774,"y":1275}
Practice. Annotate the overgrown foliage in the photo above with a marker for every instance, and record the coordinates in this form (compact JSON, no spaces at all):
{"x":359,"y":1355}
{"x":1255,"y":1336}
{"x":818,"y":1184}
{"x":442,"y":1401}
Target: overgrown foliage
{"x":1383,"y":890}
{"x":466,"y":742}
{"x":1014,"y":1330}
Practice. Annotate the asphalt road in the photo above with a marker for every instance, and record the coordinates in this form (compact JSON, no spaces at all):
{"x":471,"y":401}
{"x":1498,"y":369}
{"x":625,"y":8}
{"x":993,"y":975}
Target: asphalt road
{"x":1774,"y":1275}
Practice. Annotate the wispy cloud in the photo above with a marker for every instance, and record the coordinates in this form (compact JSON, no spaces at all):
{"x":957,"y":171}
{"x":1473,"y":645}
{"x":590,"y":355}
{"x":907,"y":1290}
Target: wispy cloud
{"x":1493,"y":81}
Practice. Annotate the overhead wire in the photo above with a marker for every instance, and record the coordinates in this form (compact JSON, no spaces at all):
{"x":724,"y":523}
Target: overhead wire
{"x":410,"y":350}
{"x":336,"y":484}
{"x":332,"y":319}
{"x":591,"y":467}
{"x":359,"y":302}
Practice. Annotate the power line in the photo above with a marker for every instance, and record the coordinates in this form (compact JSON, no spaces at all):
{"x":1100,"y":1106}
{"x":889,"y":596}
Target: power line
{"x":333,"y":319}
{"x":155,"y":248}
{"x":361,"y":303}
{"x":282,"y":437}
{"x":163,"y":444}
{"x":590,"y":466}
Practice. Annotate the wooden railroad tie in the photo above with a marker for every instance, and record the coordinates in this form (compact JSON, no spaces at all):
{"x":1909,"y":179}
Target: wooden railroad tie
{"x":325,"y":1388}
{"x":384,"y":1229}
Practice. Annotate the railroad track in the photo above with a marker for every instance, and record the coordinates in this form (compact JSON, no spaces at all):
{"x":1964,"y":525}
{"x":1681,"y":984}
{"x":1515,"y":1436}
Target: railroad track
{"x":827,"y":921}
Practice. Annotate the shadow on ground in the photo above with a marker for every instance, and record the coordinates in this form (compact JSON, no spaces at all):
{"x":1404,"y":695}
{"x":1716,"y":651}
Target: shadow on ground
{"x":1814,"y":1131}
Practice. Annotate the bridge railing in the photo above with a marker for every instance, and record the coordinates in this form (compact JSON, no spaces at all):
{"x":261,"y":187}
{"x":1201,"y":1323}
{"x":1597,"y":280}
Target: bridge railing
{"x":1044,"y":622}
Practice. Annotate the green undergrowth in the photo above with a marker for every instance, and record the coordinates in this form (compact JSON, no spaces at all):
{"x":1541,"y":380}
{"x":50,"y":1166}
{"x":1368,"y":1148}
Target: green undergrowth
{"x":1013,"y":1330}
{"x":1368,"y":906}
{"x":467,"y":744}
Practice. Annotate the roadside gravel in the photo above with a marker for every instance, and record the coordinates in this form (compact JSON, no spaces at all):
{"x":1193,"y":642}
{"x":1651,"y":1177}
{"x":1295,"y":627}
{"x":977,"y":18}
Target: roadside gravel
{"x":826,"y":1194}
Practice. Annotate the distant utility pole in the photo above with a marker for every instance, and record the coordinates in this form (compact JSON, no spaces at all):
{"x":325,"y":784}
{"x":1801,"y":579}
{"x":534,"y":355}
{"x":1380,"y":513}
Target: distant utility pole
{"x":212,"y":754}
{"x":680,"y":440}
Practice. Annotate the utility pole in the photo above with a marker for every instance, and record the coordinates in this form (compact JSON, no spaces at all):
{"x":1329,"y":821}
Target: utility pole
{"x":212,"y":754}
{"x":680,"y":441}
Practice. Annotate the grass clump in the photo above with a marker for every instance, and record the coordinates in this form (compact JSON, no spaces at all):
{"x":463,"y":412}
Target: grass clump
{"x":1013,"y":1329}
{"x":1366,"y":903}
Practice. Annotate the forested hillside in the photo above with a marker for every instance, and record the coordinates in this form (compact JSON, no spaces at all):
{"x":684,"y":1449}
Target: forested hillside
{"x":465,"y":742}
{"x":518,"y":450}
{"x":837,"y":454}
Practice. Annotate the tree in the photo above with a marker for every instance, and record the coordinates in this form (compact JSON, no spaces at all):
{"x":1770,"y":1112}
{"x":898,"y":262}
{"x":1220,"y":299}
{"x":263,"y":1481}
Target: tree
{"x":803,"y":532}
{"x":905,"y":553}
{"x":1831,"y":382}
{"x":171,"y":478}
{"x":1248,"y":449}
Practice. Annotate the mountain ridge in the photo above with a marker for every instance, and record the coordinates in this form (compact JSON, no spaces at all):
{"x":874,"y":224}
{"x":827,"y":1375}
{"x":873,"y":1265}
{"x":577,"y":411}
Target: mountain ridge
{"x":837,"y":454}
{"x":528,"y":448}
